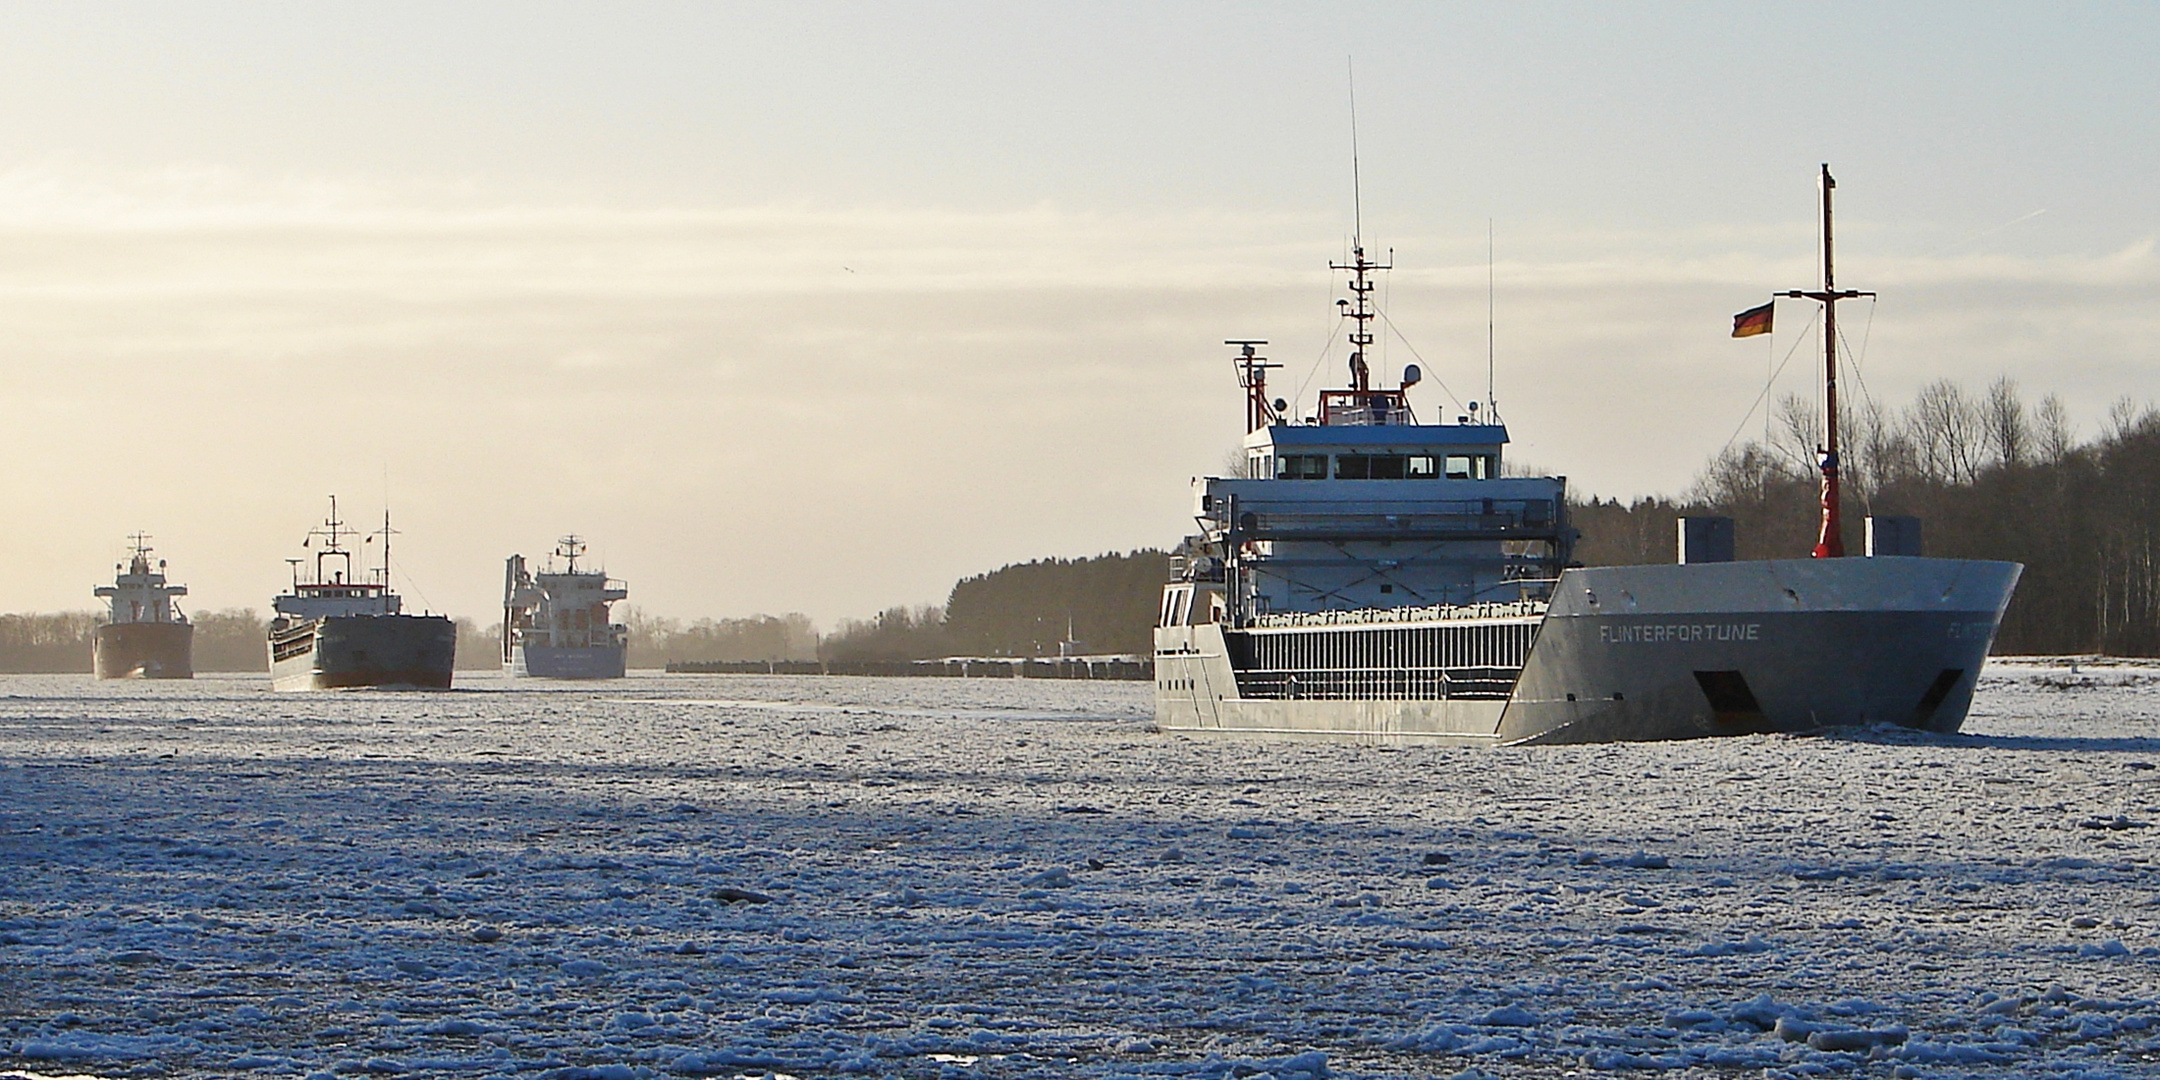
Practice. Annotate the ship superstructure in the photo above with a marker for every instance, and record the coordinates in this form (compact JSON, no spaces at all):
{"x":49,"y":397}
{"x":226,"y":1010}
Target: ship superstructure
{"x":556,"y":624}
{"x":145,"y":635}
{"x":1375,"y":578}
{"x":338,"y":628}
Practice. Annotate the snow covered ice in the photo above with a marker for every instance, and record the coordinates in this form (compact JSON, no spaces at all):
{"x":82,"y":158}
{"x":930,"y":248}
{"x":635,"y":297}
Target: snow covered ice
{"x":743,"y":876}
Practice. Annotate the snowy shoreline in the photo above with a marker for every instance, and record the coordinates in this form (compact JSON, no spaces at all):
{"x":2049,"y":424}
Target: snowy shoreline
{"x":816,"y":876}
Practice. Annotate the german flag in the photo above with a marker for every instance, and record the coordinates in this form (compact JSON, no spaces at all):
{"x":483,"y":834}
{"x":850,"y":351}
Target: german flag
{"x":1753,"y":321}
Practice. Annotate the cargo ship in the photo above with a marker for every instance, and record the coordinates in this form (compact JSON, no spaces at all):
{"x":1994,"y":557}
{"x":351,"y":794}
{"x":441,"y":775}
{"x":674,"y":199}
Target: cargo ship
{"x":1375,"y":578}
{"x":145,"y":635}
{"x":555,"y":623}
{"x":336,"y":630}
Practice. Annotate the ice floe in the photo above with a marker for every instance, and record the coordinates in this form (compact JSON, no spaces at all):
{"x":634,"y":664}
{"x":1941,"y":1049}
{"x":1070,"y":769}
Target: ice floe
{"x":751,"y":876}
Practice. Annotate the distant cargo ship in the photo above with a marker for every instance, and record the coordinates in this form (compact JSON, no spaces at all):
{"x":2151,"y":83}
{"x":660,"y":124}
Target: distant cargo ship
{"x":145,"y":636}
{"x":555,"y":623}
{"x":334,"y":631}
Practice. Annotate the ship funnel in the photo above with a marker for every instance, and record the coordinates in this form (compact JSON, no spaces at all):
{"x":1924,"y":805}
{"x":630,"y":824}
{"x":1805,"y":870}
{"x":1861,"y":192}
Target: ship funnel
{"x":1410,"y":376}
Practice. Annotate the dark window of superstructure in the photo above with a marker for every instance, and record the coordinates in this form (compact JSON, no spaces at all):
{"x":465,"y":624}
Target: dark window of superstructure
{"x":1301,"y":467}
{"x":1371,"y":467}
{"x":1469,"y":467}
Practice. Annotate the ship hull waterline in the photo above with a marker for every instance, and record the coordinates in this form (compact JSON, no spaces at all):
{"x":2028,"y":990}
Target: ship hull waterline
{"x":1676,"y":652}
{"x":342,"y":652}
{"x":561,"y":662}
{"x":143,"y":650}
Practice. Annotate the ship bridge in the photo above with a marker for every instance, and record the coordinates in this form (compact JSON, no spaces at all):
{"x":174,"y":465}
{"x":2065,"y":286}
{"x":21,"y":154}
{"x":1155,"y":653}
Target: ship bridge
{"x":564,"y":609}
{"x":139,"y":592}
{"x":1361,"y":507}
{"x":1373,"y":511}
{"x":1382,"y":451}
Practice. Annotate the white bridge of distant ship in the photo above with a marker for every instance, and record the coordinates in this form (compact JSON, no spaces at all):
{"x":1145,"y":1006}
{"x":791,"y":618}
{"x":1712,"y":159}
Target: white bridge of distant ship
{"x":555,"y":623}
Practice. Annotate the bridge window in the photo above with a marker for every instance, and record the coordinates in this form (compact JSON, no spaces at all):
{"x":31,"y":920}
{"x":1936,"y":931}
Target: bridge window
{"x":1371,"y":467}
{"x":1470,"y":467}
{"x":1301,"y":467}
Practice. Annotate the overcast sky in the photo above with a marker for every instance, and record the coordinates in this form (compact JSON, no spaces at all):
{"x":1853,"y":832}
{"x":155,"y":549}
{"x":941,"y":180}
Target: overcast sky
{"x":816,"y":308}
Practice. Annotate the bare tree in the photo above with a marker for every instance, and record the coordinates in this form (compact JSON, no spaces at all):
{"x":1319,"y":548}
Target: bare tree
{"x":1878,"y":451}
{"x":1799,"y":437}
{"x":2009,"y":435}
{"x":2056,"y":436}
{"x":2121,"y":417}
{"x":2125,"y":419}
{"x":1739,"y":474}
{"x":1945,"y":428}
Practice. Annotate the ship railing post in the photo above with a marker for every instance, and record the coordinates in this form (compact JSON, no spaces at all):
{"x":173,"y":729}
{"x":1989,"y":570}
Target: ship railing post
{"x":1233,"y":565}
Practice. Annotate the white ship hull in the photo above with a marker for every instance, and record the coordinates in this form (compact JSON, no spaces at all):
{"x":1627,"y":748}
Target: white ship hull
{"x":1630,"y":653}
{"x":546,"y":662}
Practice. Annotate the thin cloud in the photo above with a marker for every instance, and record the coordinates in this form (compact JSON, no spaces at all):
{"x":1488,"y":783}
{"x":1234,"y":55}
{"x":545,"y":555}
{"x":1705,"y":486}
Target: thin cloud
{"x":751,"y":427}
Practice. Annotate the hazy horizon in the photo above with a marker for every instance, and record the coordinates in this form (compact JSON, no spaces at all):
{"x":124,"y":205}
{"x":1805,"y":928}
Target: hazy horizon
{"x":821,"y":308}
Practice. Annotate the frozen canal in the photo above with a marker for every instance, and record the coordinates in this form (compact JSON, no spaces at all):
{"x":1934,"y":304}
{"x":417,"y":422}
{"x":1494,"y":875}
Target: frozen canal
{"x":742,"y":876}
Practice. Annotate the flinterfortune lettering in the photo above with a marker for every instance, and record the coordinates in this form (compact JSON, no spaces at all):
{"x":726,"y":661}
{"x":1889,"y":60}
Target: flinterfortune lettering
{"x":1655,"y":633}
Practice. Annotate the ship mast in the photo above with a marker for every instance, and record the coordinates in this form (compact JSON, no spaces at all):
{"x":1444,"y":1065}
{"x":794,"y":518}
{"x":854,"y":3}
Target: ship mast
{"x":1252,"y":371}
{"x":1830,"y":543}
{"x":139,"y":558}
{"x":333,"y":533}
{"x":570,"y":547}
{"x":386,"y":533}
{"x":1360,"y":311}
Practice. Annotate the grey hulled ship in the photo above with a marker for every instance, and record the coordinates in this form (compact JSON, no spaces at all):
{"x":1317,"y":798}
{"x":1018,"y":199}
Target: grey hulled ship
{"x":555,"y":623}
{"x":145,"y":635}
{"x":337,"y":629}
{"x":1371,"y":577}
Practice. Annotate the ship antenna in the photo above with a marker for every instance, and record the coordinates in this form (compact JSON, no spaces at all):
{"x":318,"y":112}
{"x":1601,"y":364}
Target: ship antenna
{"x":1491,"y":408}
{"x":1360,"y":311}
{"x":1357,"y":186}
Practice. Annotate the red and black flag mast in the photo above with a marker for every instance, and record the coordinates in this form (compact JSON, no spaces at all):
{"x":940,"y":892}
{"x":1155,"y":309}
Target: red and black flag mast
{"x":1830,"y":543}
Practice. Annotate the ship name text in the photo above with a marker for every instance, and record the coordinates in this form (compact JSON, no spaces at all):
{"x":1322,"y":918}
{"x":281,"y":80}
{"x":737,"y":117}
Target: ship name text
{"x":1657,"y":633}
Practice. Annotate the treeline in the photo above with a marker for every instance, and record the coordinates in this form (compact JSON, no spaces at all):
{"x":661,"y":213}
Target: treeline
{"x":1990,"y":475}
{"x":1104,"y":604}
{"x":59,"y":643}
{"x":46,"y":643}
{"x":233,"y":639}
{"x":657,"y":641}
